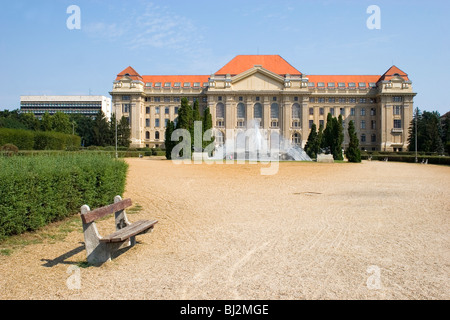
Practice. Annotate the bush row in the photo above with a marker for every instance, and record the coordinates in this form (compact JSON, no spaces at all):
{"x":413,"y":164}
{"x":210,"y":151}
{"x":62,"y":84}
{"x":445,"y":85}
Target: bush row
{"x":38,"y":140}
{"x":42,"y":189}
{"x":409,"y":158}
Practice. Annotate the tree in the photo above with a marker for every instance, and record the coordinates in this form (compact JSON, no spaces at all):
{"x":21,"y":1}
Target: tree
{"x":46,"y":122}
{"x":100,"y":129}
{"x":429,"y":132}
{"x":338,"y":138}
{"x":327,"y":141}
{"x":319,"y":138}
{"x":123,"y":133}
{"x":186,"y":120}
{"x":83,"y":128}
{"x":311,"y":147}
{"x":168,"y":138}
{"x":61,"y":123}
{"x":353,"y":153}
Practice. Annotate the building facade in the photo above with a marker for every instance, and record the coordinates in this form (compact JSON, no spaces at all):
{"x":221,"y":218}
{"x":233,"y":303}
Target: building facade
{"x":268,"y":89}
{"x":84,"y":105}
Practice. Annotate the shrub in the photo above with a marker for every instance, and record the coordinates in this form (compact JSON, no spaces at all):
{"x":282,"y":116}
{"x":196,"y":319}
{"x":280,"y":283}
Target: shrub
{"x":42,"y":189}
{"x":38,"y":140}
{"x":9,"y":150}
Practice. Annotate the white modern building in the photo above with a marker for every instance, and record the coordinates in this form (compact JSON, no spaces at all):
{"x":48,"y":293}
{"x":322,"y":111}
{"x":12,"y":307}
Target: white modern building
{"x":85,"y":105}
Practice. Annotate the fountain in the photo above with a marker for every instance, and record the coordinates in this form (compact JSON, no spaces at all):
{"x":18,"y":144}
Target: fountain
{"x":252,"y":144}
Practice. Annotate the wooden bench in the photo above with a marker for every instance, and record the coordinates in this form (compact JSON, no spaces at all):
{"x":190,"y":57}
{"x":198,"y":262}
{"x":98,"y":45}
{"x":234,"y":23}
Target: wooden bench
{"x":99,"y":249}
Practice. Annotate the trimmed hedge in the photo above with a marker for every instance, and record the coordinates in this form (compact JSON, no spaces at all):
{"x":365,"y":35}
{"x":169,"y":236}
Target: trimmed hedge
{"x":410,"y":158}
{"x":38,"y":190}
{"x":38,"y":140}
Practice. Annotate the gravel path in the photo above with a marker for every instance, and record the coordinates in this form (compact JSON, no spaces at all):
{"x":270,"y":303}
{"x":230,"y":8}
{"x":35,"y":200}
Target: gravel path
{"x":374,"y":230}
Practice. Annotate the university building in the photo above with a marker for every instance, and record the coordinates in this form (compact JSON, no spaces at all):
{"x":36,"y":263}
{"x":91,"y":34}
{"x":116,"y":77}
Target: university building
{"x":269,"y":89}
{"x":84,"y":105}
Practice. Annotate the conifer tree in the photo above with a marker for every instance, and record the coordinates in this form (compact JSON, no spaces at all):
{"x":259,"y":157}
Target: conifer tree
{"x":353,"y":153}
{"x":312,"y":142}
{"x":168,"y":138}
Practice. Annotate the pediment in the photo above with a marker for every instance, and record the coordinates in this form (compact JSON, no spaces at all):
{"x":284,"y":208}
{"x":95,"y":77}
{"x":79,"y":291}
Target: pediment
{"x":257,"y":78}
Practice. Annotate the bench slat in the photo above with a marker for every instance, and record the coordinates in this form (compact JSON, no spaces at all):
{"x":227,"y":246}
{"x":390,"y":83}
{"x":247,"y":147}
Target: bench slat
{"x":129,"y":231}
{"x":103,"y":211}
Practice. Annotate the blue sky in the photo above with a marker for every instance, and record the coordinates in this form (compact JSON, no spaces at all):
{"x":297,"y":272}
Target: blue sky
{"x":40,"y":55}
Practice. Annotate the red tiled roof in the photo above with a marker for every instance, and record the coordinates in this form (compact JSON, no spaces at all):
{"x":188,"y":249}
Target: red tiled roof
{"x":273,"y":63}
{"x":131,"y":73}
{"x":388,"y":75}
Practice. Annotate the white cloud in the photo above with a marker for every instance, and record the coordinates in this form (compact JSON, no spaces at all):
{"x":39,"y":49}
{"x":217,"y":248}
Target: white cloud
{"x":151,"y":27}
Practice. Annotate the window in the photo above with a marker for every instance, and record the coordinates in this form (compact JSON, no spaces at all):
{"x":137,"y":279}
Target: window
{"x":397,"y":124}
{"x":397,"y":110}
{"x":274,"y":98}
{"x":220,"y":110}
{"x":241,"y":124}
{"x":296,"y":139}
{"x":321,"y":123}
{"x":362,"y":84}
{"x":274,"y":111}
{"x":332,"y":111}
{"x":167,"y":99}
{"x":363,"y":124}
{"x":176,"y":110}
{"x":220,"y":123}
{"x":321,"y":100}
{"x":147,"y":135}
{"x":363,"y":111}
{"x":311,"y":100}
{"x":352,"y":100}
{"x":363,"y":138}
{"x":311,"y":123}
{"x":157,"y":99}
{"x":351,"y":85}
{"x":373,"y":124}
{"x":331,"y":85}
{"x":311,"y":111}
{"x":147,"y":110}
{"x":187,"y":84}
{"x":157,"y":110}
{"x":177,"y":84}
{"x":295,"y":111}
{"x":205,"y":99}
{"x":126,"y":98}
{"x":352,"y":111}
{"x":176,"y":99}
{"x":342,"y":111}
{"x":158,"y":85}
{"x":341,"y":100}
{"x":274,"y":124}
{"x":166,"y":110}
{"x":296,"y":99}
{"x":321,"y":111}
{"x":331,"y":100}
{"x":126,"y":108}
{"x":397,"y":99}
{"x":148,"y":84}
{"x":372,"y":84}
{"x":257,"y":111}
{"x":341,"y":85}
{"x":205,"y":84}
{"x":166,"y":122}
{"x":257,"y":98}
{"x":219,"y":137}
{"x":157,"y":123}
{"x":320,"y":84}
{"x":167,"y":85}
{"x":196,"y":84}
{"x":157,"y":135}
{"x":373,"y":138}
{"x":147,"y":122}
{"x":241,"y":98}
{"x":241,"y":111}
{"x":362,"y":100}
{"x":311,"y":84}
{"x":219,"y":98}
{"x":373,"y":111}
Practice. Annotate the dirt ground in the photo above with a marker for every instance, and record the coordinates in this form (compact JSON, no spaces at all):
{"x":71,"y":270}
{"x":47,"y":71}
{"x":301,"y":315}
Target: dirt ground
{"x":375,"y":230}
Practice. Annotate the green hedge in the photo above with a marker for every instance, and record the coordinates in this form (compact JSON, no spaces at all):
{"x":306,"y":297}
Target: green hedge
{"x":38,"y":140}
{"x":410,"y":158}
{"x":35,"y":191}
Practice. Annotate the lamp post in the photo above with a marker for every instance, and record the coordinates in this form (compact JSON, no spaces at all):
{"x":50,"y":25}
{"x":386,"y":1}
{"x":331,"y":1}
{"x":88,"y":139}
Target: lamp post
{"x":417,"y":113}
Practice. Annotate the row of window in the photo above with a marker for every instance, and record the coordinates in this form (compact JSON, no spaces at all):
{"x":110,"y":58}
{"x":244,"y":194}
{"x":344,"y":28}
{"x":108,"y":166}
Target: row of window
{"x":60,"y":104}
{"x":342,"y":85}
{"x":341,"y":100}
{"x":176,"y":84}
